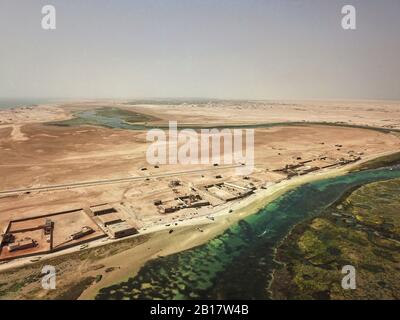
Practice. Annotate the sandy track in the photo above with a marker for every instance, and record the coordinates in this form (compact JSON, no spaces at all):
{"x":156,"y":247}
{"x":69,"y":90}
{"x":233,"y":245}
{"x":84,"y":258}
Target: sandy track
{"x":111,"y":181}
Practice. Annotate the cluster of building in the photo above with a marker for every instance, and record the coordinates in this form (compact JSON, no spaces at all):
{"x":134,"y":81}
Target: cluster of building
{"x":307,"y":166}
{"x":192,"y":200}
{"x":57,"y":231}
{"x":227,"y":191}
{"x":206,"y":195}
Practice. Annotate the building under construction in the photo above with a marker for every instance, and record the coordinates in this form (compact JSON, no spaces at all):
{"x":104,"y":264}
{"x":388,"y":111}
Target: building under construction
{"x":111,"y":221}
{"x":192,"y":200}
{"x":227,"y":191}
{"x":25,"y":237}
{"x":47,"y":233}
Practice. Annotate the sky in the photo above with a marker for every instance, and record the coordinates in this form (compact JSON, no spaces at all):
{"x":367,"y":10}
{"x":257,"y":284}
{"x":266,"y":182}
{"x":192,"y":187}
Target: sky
{"x":227,"y":49}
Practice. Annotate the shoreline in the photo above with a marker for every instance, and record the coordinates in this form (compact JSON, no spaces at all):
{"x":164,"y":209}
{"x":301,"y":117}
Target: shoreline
{"x":126,"y":256}
{"x":223,"y":220}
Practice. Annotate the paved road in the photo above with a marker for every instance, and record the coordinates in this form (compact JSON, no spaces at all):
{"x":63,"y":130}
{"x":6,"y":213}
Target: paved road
{"x":110,"y":181}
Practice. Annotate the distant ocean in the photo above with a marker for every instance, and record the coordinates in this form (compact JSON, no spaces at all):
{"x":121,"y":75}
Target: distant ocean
{"x":13,"y":103}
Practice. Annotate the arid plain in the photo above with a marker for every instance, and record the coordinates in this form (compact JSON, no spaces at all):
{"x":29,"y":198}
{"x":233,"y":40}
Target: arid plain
{"x":37,"y":151}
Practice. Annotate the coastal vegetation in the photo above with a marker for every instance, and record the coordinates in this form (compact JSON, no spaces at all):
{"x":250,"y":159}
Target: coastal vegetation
{"x":363,"y":230}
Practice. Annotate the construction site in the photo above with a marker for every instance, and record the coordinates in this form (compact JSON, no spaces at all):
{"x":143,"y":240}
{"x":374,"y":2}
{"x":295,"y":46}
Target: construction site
{"x":58,"y":231}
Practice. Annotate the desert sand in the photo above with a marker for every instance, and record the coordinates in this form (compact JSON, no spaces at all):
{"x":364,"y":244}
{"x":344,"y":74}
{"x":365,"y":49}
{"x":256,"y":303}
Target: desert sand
{"x":37,"y":154}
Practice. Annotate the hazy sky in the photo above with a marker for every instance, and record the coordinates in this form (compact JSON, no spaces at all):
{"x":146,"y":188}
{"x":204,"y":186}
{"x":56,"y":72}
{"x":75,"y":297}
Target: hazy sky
{"x":265,"y":49}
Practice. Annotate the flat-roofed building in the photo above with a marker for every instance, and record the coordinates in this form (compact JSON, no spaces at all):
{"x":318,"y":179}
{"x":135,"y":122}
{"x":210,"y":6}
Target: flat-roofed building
{"x":102,"y":209}
{"x":121,"y":229}
{"x":110,"y":218}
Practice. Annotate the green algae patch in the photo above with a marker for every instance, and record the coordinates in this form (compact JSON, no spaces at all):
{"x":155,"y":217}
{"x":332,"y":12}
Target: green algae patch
{"x":362,"y":230}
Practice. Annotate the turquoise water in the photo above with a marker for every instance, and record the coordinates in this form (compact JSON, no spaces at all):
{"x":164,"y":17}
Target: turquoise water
{"x":238,"y":263}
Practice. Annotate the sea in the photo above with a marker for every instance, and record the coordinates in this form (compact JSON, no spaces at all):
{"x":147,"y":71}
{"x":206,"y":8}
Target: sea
{"x":14,"y":103}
